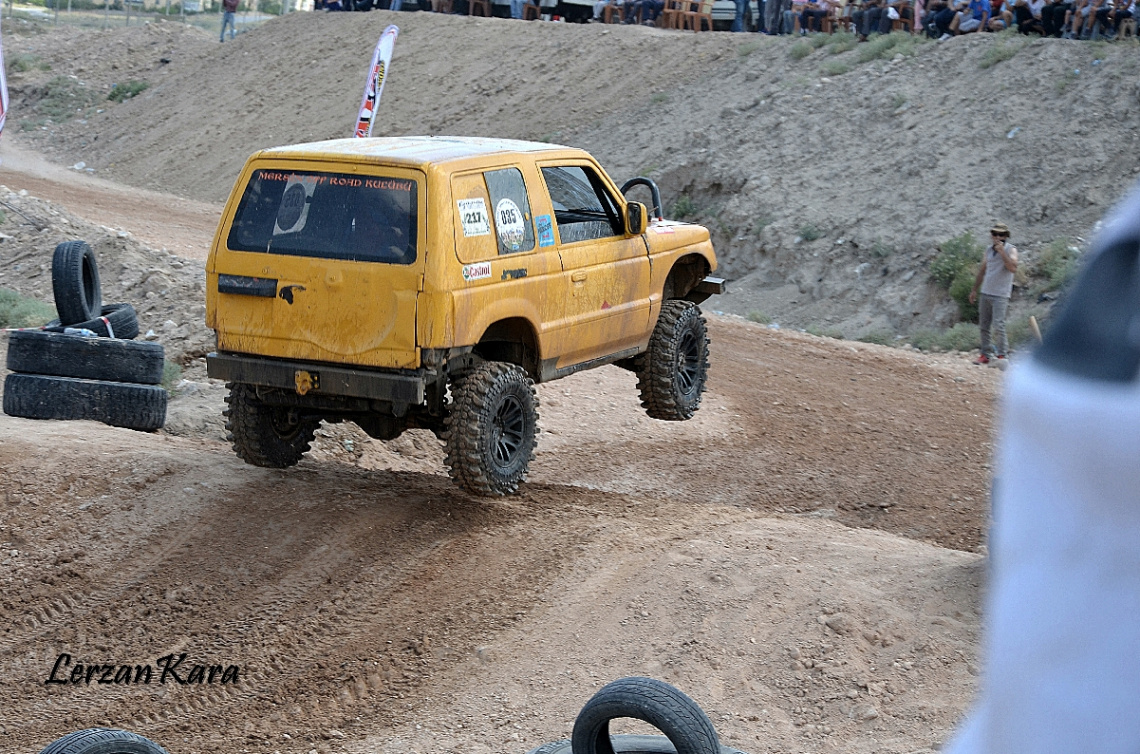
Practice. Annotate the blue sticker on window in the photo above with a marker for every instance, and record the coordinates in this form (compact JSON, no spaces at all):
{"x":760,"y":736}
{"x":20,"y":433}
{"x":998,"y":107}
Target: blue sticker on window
{"x":545,"y":230}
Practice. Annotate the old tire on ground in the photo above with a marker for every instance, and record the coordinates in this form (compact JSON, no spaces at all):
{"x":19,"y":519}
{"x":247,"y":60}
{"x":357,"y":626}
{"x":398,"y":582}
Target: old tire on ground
{"x":491,"y":428}
{"x":120,"y":404}
{"x":60,"y":355}
{"x":671,"y":374}
{"x":103,"y":741}
{"x":75,"y":282}
{"x":664,"y":707}
{"x":114,"y":321}
{"x":271,"y":436}
{"x":626,"y":744}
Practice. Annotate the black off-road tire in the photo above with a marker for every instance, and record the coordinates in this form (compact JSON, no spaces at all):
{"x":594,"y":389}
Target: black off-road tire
{"x":664,"y":707}
{"x":626,"y":744}
{"x":60,"y":355}
{"x":120,"y":404}
{"x":269,"y":436}
{"x":75,"y":282}
{"x":671,"y":374}
{"x":113,"y":321}
{"x":103,"y":741}
{"x":491,"y":429}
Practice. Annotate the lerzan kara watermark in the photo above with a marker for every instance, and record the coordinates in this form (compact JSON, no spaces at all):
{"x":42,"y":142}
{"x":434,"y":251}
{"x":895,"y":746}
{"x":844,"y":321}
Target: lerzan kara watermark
{"x":172,"y":668}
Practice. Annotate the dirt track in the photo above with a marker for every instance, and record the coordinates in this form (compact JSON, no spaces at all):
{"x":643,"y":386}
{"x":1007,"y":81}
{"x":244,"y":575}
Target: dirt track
{"x":804,"y":558}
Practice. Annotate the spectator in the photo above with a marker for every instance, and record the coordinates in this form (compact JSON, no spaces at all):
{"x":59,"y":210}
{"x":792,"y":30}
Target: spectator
{"x":1125,"y":9}
{"x":1053,"y":17}
{"x":738,"y":21}
{"x":1000,"y":16}
{"x":1028,"y":16}
{"x":645,"y":11}
{"x":938,"y":17}
{"x":1075,"y":19}
{"x":995,"y":280}
{"x":516,"y":8}
{"x":229,"y":8}
{"x":811,"y":18}
{"x":973,"y":18}
{"x":1101,"y":16}
{"x":867,"y":18}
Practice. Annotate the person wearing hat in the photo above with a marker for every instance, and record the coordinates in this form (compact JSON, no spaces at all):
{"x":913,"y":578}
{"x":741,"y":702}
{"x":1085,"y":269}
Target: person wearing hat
{"x":995,"y":281}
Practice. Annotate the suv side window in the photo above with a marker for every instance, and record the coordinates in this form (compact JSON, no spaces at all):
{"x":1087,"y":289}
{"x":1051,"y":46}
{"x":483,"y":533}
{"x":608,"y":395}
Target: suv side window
{"x":583,"y":208}
{"x":510,"y":210}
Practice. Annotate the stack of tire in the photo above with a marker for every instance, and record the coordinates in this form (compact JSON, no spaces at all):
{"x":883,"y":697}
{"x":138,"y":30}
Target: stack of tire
{"x":85,"y":365}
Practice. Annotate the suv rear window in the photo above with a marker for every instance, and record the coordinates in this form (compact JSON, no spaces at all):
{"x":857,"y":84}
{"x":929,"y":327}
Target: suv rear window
{"x":327,"y":215}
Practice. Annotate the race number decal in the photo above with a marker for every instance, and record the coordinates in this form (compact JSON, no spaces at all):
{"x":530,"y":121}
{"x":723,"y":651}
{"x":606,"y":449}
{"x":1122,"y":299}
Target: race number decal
{"x":509,"y":224}
{"x":476,"y":271}
{"x":473,"y":215}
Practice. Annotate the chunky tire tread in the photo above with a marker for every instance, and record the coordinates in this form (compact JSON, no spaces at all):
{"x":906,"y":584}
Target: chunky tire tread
{"x":123,"y":320}
{"x":120,"y":404}
{"x":626,"y":744}
{"x":666,"y":708}
{"x":468,"y":428}
{"x":75,"y":282}
{"x":256,"y":440}
{"x":662,"y":394}
{"x":108,"y":359}
{"x":103,"y":741}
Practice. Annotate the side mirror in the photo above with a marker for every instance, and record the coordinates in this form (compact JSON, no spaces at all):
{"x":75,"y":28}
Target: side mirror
{"x":635,"y":218}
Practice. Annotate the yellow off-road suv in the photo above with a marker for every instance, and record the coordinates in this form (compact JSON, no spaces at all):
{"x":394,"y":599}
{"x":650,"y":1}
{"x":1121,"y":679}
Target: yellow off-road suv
{"x":431,"y":282}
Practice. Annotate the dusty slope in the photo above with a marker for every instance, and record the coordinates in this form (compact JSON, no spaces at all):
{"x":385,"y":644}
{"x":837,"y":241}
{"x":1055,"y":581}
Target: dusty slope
{"x":891,"y":157}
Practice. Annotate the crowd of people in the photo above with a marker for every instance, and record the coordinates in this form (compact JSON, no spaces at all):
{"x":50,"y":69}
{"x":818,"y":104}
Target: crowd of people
{"x":1071,"y":19}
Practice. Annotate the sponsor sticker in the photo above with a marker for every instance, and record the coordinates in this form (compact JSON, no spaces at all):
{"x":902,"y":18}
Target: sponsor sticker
{"x":509,"y":223}
{"x":545,"y":230}
{"x":473,"y":215}
{"x":661,"y":228}
{"x":476,"y":271}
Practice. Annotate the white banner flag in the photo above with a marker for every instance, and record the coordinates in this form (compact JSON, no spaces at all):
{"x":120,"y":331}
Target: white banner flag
{"x":3,"y":88}
{"x":374,"y":85}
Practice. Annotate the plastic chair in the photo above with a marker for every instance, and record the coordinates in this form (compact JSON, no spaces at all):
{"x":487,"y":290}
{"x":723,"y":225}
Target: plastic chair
{"x":608,"y":13}
{"x":670,"y":17}
{"x":531,"y":12}
{"x":484,"y":7}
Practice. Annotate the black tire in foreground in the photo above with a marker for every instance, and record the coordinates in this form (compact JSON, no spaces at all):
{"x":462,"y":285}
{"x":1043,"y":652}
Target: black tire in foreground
{"x":120,"y":404}
{"x":75,"y":282}
{"x":490,"y":431}
{"x":113,"y":321}
{"x":60,"y":355}
{"x":271,"y":436}
{"x":103,"y":741}
{"x":664,"y":707}
{"x":671,"y":374}
{"x":626,"y":744}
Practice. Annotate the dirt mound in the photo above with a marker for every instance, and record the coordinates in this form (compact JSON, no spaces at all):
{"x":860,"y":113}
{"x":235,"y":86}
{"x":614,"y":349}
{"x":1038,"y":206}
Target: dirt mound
{"x":876,"y":161}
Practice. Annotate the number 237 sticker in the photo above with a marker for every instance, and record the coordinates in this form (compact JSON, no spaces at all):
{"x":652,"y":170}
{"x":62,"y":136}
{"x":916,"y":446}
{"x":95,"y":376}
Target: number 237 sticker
{"x":473,"y":215}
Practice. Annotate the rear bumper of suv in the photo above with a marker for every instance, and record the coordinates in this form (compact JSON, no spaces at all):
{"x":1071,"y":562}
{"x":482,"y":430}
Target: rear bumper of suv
{"x":321,"y":379}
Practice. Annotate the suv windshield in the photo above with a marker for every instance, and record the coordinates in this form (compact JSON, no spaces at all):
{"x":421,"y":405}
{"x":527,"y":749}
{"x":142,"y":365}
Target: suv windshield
{"x":327,"y":215}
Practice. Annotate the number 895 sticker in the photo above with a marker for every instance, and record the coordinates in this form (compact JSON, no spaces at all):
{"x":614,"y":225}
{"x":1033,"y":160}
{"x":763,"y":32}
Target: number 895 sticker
{"x":473,"y":215}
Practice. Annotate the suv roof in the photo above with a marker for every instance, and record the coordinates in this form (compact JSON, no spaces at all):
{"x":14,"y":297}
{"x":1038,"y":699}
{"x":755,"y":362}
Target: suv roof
{"x":412,"y":151}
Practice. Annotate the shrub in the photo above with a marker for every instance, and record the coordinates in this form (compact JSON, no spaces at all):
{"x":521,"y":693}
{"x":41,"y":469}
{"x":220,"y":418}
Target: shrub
{"x":25,"y":62}
{"x":121,"y":92}
{"x":834,"y":68}
{"x":1000,"y":51}
{"x":684,"y":208}
{"x":878,"y":337}
{"x":1058,"y":264}
{"x":811,"y":232}
{"x":818,"y":40}
{"x":801,"y":50}
{"x":880,"y":250}
{"x":748,"y":48}
{"x":824,"y":332}
{"x":961,"y":337}
{"x":20,"y":311}
{"x":844,"y":42}
{"x":171,"y":375}
{"x":759,"y":317}
{"x":953,"y":255}
{"x":62,"y":97}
